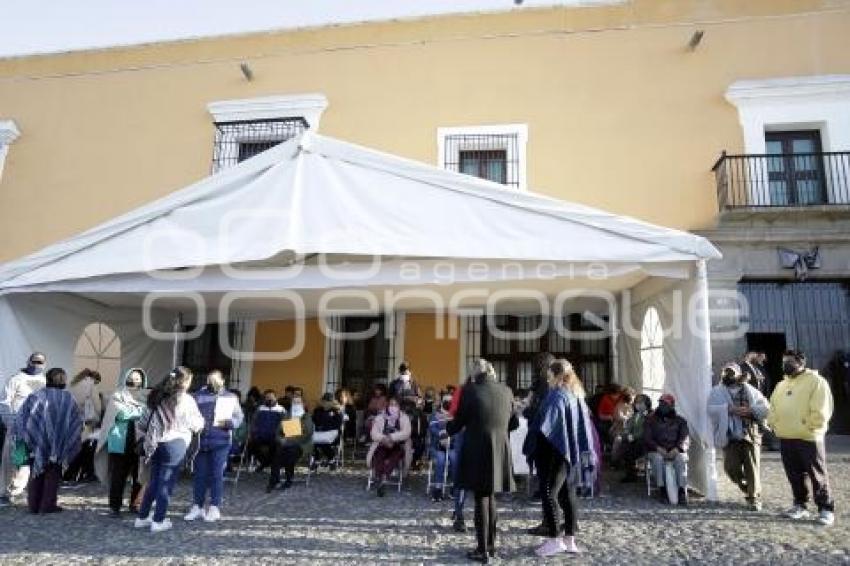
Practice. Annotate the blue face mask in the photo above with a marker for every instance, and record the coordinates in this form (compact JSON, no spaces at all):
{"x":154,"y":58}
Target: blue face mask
{"x":33,"y":370}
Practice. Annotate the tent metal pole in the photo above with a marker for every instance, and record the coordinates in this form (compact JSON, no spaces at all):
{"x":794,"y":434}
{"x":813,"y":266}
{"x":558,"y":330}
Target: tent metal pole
{"x":705,"y":335}
{"x":177,"y":347}
{"x":614,"y":323}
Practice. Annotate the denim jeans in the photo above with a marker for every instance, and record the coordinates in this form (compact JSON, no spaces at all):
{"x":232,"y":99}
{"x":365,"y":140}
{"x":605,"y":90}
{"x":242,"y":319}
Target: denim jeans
{"x":439,"y":458}
{"x":209,"y":474}
{"x":165,"y":470}
{"x":459,"y":494}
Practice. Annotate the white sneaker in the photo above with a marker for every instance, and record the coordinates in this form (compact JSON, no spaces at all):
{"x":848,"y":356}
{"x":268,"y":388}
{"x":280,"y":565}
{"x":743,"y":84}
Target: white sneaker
{"x":143,"y":523}
{"x":194,"y":513}
{"x":551,"y":547}
{"x":826,"y":518}
{"x":212,"y":515}
{"x":159,"y":527}
{"x":798,"y":513}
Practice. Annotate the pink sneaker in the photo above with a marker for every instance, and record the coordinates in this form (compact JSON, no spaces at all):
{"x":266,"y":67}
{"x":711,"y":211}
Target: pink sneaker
{"x":551,"y":547}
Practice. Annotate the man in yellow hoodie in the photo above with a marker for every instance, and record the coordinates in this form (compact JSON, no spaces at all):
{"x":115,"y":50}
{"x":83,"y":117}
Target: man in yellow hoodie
{"x":800,"y":409}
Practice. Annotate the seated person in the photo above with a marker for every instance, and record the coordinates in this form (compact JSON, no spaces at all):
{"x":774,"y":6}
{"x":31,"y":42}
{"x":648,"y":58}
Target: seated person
{"x":377,"y":404}
{"x":605,"y":412}
{"x":628,"y":445}
{"x":430,"y":401}
{"x":264,"y":426}
{"x":346,"y":401}
{"x":327,"y":418}
{"x":439,"y":444}
{"x":666,"y":438}
{"x":418,"y":429}
{"x":390,"y":443}
{"x":622,"y":412}
{"x":290,"y":447}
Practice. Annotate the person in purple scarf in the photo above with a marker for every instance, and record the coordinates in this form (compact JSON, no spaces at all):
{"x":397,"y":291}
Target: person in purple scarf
{"x":49,"y":424}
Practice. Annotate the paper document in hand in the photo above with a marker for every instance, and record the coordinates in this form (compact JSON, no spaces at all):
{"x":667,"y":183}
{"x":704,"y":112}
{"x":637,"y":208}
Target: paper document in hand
{"x":291,"y":427}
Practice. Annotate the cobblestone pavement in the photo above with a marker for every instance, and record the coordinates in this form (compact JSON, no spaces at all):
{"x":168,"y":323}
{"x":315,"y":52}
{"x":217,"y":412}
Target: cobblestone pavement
{"x":335,"y":521}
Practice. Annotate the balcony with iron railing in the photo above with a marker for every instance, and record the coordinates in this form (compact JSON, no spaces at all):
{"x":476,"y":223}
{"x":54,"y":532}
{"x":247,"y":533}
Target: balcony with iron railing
{"x":801,"y":181}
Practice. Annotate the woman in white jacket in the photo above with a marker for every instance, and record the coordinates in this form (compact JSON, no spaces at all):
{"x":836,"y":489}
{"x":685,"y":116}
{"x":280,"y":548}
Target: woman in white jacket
{"x":171,"y":419}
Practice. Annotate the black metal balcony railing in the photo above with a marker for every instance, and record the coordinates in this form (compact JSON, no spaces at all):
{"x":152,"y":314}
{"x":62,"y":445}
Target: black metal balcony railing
{"x":798,"y":179}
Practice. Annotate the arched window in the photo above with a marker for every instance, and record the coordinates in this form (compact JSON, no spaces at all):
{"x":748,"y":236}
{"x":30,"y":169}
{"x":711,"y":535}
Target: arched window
{"x":99,"y":348}
{"x":652,"y":353}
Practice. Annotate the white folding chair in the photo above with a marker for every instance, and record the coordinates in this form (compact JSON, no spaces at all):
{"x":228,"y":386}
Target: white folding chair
{"x":371,"y":479}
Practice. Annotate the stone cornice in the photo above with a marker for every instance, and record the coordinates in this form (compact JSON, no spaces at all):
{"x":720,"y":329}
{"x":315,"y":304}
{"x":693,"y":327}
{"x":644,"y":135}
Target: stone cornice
{"x":788,"y":88}
{"x":307,"y":106}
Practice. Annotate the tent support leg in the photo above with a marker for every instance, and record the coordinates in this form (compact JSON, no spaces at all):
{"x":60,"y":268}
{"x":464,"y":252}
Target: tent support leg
{"x":705,"y":335}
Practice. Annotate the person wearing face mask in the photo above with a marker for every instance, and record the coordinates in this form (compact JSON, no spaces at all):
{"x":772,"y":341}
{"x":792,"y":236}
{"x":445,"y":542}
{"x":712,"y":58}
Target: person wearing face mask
{"x":629,"y":447}
{"x":735,"y":409}
{"x":439,"y":444}
{"x":115,"y":458}
{"x":264,"y":425}
{"x":800,"y":409}
{"x":12,"y":396}
{"x":666,"y":438}
{"x":222,"y":414}
{"x":170,"y":420}
{"x":391,"y":443}
{"x":404,"y":386}
{"x":49,"y":424}
{"x":294,"y":440}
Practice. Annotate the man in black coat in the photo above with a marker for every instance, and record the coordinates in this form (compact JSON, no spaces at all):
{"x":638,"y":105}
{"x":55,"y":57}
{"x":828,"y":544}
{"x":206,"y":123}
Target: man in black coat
{"x":485,"y":413}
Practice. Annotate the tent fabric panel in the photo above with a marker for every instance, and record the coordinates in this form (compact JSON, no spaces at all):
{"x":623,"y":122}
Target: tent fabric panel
{"x":53,"y":323}
{"x":687,"y":366}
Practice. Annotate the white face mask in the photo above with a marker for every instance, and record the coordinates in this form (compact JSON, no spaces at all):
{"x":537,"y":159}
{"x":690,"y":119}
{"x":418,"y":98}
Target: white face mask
{"x":405,"y":377}
{"x":297,"y":410}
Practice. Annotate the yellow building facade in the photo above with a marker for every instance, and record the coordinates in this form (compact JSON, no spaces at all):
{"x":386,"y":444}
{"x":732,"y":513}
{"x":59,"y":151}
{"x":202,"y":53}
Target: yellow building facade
{"x":622,"y":106}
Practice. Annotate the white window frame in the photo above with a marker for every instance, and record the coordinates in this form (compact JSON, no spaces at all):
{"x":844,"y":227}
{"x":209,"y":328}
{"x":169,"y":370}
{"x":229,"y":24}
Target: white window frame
{"x":518,"y":130}
{"x":309,"y":107}
{"x":794,"y":103}
{"x":9,"y":132}
{"x":651,"y":344}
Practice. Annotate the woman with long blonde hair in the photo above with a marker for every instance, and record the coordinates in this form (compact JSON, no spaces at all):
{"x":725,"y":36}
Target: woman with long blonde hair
{"x":565,"y":452}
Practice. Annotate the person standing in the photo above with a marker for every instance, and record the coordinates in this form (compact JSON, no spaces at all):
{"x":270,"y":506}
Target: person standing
{"x":222,"y":414}
{"x":115,"y":458}
{"x":736,"y":410}
{"x":539,"y":392}
{"x":564,"y":447}
{"x":456,"y":446}
{"x":12,"y":396}
{"x":85,"y":387}
{"x":172,"y":417}
{"x":486,"y":415}
{"x":753,"y":371}
{"x":49,"y":425}
{"x":800,"y":409}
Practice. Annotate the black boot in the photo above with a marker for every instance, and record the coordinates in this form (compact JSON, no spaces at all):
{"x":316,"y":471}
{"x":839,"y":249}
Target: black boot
{"x":662,"y":495}
{"x":683,"y":496}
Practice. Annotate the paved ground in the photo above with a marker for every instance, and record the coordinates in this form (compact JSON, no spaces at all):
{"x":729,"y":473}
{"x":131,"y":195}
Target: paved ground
{"x":336,"y":521}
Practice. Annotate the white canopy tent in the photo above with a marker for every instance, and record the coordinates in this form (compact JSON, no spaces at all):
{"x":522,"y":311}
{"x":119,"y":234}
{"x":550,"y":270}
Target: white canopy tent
{"x":314,"y":214}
